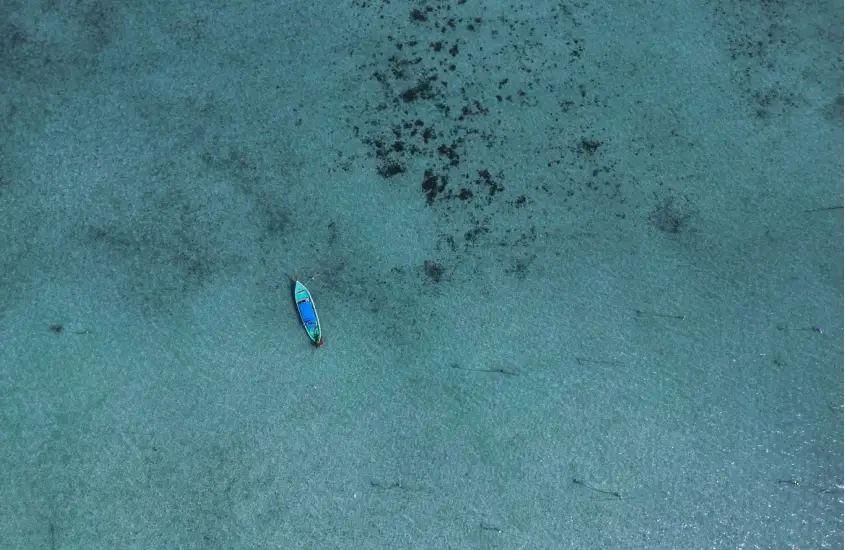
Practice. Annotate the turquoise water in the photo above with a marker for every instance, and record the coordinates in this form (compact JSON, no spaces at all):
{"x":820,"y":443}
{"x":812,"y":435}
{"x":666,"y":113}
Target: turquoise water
{"x":578,"y":267}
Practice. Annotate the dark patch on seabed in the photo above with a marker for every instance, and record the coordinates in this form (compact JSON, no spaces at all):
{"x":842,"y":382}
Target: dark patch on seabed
{"x":767,"y":44}
{"x":436,"y":120}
